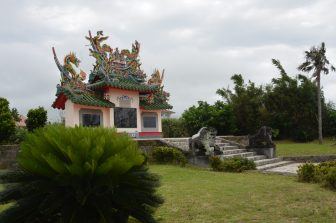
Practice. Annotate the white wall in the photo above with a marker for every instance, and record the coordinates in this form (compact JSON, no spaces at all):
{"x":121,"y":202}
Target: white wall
{"x":72,"y":114}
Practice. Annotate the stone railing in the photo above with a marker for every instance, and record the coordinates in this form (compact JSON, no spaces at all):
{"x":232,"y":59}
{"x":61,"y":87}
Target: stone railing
{"x":241,"y":140}
{"x":180,"y":143}
{"x":8,"y":156}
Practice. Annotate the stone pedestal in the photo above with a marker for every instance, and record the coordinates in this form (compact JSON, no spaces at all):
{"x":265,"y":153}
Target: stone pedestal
{"x":202,"y":161}
{"x":268,"y":152}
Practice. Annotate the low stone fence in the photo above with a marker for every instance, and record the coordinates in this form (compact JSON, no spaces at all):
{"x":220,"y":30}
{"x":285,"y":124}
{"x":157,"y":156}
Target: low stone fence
{"x":313,"y":159}
{"x":8,"y":156}
{"x":240,"y":140}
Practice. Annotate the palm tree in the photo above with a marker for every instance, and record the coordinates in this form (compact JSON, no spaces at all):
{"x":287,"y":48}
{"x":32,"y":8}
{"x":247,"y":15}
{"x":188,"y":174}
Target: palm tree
{"x":317,"y":62}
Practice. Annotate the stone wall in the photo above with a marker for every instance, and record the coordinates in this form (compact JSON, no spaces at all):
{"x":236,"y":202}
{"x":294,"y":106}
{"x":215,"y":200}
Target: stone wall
{"x":242,"y":140}
{"x":313,"y":159}
{"x":147,"y":145}
{"x":8,"y":156}
{"x":181,"y":143}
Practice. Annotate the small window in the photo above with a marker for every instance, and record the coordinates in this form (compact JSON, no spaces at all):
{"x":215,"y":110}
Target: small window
{"x":125,"y":117}
{"x":149,"y":121}
{"x":90,"y":117}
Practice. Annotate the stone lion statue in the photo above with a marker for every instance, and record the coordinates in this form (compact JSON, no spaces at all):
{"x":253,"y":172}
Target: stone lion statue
{"x":204,"y":142}
{"x":262,"y":139}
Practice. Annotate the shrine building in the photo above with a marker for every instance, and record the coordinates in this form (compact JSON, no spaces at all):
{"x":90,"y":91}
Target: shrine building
{"x":117,"y":94}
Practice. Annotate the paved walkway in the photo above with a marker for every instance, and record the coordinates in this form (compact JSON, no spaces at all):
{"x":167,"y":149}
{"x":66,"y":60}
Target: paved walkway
{"x":289,"y":169}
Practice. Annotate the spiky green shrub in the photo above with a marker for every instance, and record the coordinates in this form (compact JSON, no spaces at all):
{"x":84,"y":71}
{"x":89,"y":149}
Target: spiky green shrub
{"x":79,"y":175}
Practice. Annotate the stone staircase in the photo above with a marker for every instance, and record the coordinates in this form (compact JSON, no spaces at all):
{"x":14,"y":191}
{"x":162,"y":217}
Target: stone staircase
{"x":231,"y":150}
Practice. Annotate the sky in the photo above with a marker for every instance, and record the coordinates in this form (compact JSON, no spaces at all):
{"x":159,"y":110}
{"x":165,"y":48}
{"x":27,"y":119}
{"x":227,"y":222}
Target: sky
{"x":199,"y":43}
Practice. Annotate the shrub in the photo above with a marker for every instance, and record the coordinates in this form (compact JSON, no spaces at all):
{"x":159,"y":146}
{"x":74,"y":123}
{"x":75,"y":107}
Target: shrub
{"x":79,"y":175}
{"x":324,"y":173}
{"x":173,"y":127}
{"x":168,"y":155}
{"x":19,"y":135}
{"x":7,"y":124}
{"x":235,"y":164}
{"x":36,"y":118}
{"x":307,"y":173}
{"x":330,"y":178}
{"x":215,"y":163}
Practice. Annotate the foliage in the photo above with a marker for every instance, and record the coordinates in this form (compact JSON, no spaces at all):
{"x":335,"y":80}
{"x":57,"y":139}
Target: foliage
{"x":168,"y":155}
{"x":330,"y":178}
{"x":219,"y":116}
{"x":19,"y":135}
{"x":324,"y":173}
{"x":291,"y":104}
{"x":15,"y":114}
{"x":287,"y":104}
{"x":215,"y":163}
{"x":79,"y":175}
{"x":330,"y":120}
{"x":173,"y":128}
{"x":306,"y":173}
{"x":246,"y":102}
{"x":7,"y":124}
{"x":36,"y":118}
{"x":235,"y":164}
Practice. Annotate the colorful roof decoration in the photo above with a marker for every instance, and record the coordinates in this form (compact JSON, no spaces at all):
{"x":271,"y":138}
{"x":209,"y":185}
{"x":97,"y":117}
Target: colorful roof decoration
{"x":156,"y":101}
{"x":112,"y":69}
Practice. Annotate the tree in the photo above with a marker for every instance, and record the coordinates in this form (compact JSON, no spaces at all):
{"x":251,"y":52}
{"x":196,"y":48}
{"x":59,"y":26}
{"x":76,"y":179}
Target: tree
{"x":79,"y":175}
{"x":36,"y":118}
{"x":317,"y":62}
{"x":7,"y":124}
{"x":246,"y":101}
{"x":219,"y":116}
{"x":290,"y":102}
{"x":173,"y":128}
{"x":15,"y":114}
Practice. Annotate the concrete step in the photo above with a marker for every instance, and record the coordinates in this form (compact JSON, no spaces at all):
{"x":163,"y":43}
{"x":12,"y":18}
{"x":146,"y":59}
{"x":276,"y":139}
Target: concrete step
{"x":246,"y":154}
{"x":234,"y":151}
{"x":273,"y":165}
{"x":222,"y":144}
{"x":267,"y":161}
{"x":228,"y":147}
{"x":257,"y":157}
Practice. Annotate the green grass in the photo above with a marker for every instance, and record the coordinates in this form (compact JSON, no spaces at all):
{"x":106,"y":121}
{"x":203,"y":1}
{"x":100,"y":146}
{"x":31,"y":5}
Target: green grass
{"x":289,"y":148}
{"x":193,"y":195}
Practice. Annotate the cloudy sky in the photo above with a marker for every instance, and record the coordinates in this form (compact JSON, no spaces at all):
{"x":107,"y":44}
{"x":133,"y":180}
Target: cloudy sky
{"x":200,"y":43}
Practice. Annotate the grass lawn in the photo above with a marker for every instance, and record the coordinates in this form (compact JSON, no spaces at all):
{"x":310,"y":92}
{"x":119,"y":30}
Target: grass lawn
{"x":289,"y":148}
{"x":194,"y":195}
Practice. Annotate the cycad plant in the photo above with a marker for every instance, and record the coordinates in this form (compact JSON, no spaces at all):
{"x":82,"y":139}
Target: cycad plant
{"x":72,"y":175}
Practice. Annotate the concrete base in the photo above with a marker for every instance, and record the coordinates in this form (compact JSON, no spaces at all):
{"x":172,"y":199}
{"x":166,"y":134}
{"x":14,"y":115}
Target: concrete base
{"x":202,"y":161}
{"x":270,"y":153}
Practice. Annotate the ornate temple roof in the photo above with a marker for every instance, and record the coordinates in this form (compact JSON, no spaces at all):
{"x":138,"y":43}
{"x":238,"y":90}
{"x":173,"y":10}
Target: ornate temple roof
{"x":112,"y":69}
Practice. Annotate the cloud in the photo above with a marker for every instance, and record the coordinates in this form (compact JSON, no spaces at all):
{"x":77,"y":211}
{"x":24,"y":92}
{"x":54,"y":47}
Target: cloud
{"x":199,"y":43}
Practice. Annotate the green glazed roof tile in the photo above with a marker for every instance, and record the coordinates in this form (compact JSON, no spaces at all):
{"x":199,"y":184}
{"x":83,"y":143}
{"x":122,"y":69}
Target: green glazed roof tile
{"x":84,"y":98}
